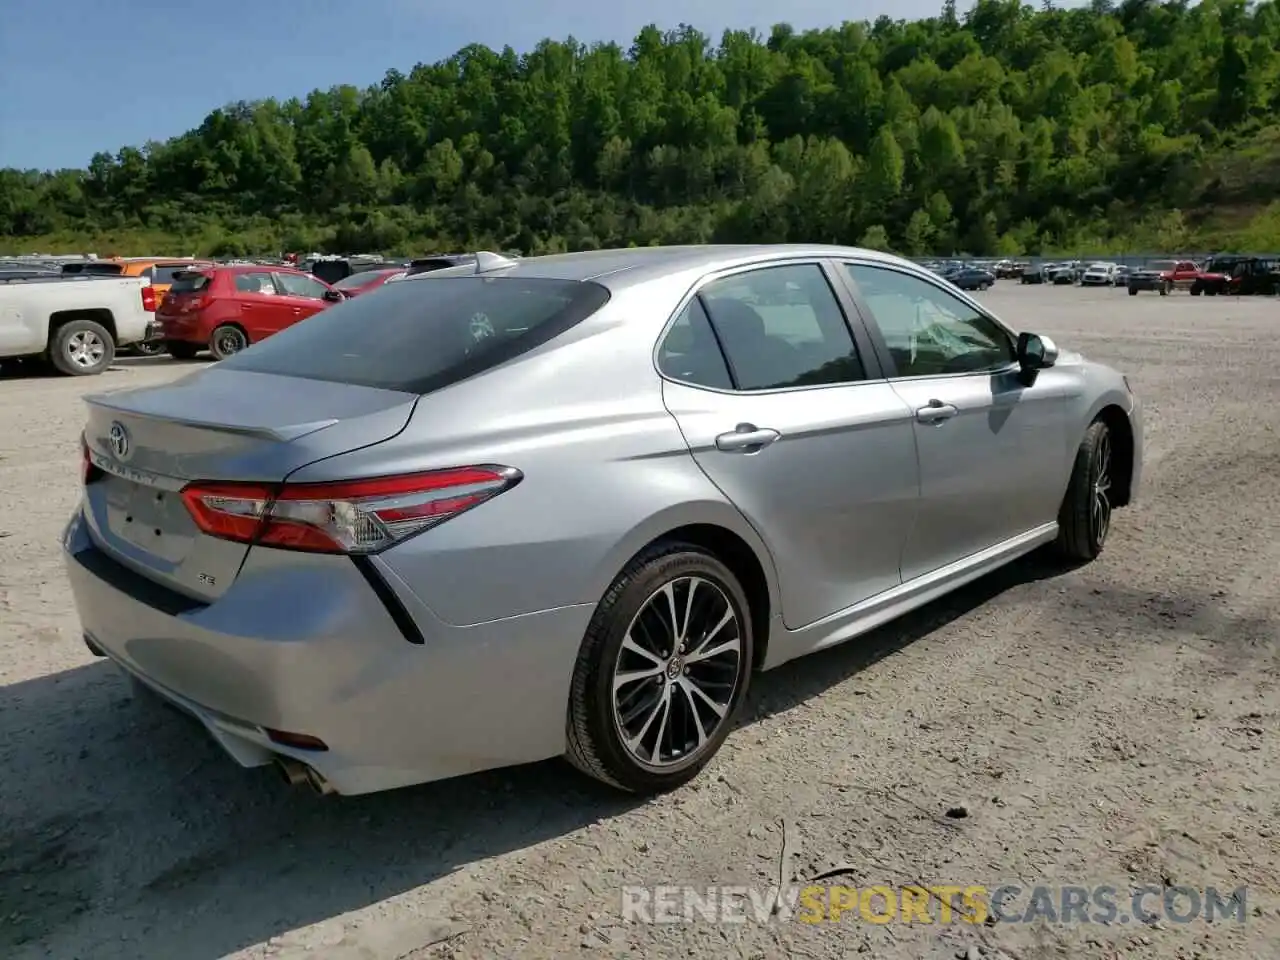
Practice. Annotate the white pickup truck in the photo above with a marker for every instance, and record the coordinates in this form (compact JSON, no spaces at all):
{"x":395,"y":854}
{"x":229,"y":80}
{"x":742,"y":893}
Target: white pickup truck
{"x":74,"y":323}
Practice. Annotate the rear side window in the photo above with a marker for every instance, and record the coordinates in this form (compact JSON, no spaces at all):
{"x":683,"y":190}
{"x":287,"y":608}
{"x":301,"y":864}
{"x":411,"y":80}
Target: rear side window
{"x":690,"y":352}
{"x":423,"y":335}
{"x":255,"y":283}
{"x":186,"y":282}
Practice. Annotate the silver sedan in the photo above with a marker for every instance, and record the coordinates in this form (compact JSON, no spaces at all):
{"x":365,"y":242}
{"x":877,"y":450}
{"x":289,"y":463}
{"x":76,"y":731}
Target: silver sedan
{"x":568,"y":505}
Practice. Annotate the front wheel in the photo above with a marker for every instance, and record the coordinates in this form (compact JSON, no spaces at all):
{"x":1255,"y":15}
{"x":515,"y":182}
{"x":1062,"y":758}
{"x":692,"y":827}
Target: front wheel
{"x":1133,"y":291}
{"x":662,"y":671}
{"x":1084,"y":520}
{"x":227,"y":340}
{"x":148,"y":348}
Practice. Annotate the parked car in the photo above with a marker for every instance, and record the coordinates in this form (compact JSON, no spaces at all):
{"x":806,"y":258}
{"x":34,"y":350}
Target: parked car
{"x":77,"y":325}
{"x":1010,"y":269}
{"x":1100,"y":275}
{"x":332,"y":269}
{"x":439,"y":262}
{"x":1216,"y":276}
{"x":1254,"y":276}
{"x":1065,"y":274}
{"x":225,"y":309}
{"x":1035,"y":274}
{"x":159,"y":272}
{"x":1163,"y":276}
{"x":592,"y":494}
{"x":367,"y":280}
{"x":972,"y":278}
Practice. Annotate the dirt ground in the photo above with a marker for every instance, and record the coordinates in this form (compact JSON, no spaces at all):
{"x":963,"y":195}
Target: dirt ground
{"x":1115,"y":725}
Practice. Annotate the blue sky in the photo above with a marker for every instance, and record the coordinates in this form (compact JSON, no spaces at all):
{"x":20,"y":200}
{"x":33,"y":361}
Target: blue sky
{"x":79,"y":76}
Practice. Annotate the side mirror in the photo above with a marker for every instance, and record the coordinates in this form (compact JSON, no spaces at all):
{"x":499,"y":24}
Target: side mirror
{"x":334,"y":296}
{"x":1036,"y":352}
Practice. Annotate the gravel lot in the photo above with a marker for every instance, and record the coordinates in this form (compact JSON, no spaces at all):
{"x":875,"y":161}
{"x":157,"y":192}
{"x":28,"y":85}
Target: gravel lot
{"x":1113,"y":725}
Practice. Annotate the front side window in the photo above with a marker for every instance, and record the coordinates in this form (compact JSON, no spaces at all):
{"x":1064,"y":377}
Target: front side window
{"x":781,"y":327}
{"x":300,"y":285}
{"x":929,"y":331}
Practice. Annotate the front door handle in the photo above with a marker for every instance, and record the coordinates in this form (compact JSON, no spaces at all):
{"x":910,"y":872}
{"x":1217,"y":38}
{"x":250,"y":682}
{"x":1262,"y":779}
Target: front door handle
{"x":747,"y":438}
{"x":935,"y":411}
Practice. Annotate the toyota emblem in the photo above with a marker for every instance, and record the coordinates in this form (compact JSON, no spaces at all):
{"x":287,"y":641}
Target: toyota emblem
{"x":118,"y":437}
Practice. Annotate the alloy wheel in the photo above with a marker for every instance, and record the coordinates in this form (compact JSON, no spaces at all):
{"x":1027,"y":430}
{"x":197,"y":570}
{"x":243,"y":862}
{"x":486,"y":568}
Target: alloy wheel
{"x":676,"y":672}
{"x":1100,"y":512}
{"x":230,"y":341}
{"x":85,"y":349}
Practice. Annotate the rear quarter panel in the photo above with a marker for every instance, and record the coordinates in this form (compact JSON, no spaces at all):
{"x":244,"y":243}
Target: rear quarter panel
{"x":606,"y":471}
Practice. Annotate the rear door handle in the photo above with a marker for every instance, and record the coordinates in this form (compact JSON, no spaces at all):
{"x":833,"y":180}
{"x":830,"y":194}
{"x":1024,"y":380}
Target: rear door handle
{"x":747,"y":438}
{"x":935,"y":412}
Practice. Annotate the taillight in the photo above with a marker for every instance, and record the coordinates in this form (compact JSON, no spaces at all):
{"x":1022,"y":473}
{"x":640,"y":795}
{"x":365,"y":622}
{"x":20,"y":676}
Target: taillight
{"x":358,"y":516}
{"x":88,"y":472}
{"x":149,"y":299}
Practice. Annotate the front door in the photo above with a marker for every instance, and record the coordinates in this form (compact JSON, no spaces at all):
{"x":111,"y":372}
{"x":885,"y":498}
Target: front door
{"x":261,"y":308}
{"x":779,"y":409}
{"x":992,"y":450}
{"x":303,"y":295}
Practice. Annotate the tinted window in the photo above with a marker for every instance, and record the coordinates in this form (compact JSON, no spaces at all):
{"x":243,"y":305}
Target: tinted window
{"x":299,"y":285}
{"x":165,"y":272}
{"x":94,"y":267}
{"x":927,"y":330}
{"x":781,"y":327}
{"x":690,"y":352}
{"x":255,"y":283}
{"x":420,"y":335}
{"x":189,"y":282}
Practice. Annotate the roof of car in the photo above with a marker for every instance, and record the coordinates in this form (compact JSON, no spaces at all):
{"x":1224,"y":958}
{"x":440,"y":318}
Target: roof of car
{"x":632,"y":266}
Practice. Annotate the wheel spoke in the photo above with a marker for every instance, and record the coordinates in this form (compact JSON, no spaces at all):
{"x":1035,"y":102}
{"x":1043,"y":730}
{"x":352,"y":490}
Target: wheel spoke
{"x":697,"y":652}
{"x":688,"y":690}
{"x":632,"y":647}
{"x":661,"y":707}
{"x":620,"y":680}
{"x":716,"y":651}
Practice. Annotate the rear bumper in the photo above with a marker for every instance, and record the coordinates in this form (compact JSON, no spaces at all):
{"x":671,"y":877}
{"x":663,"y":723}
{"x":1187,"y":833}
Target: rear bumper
{"x":313,"y":650}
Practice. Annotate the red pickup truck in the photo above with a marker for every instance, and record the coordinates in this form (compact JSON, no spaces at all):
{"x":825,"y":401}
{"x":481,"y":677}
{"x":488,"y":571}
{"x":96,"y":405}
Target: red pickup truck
{"x":1163,"y":276}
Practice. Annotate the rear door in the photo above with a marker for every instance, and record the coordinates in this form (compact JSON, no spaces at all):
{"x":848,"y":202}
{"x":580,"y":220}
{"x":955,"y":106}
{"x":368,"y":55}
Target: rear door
{"x":783,"y":408}
{"x":260,"y":307}
{"x":301,"y":294}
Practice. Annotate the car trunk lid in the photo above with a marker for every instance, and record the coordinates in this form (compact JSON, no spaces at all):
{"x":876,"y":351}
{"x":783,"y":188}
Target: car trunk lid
{"x":147,"y":445}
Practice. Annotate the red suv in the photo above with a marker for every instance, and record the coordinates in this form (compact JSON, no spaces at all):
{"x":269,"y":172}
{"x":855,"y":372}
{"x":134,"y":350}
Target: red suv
{"x":224,"y":309}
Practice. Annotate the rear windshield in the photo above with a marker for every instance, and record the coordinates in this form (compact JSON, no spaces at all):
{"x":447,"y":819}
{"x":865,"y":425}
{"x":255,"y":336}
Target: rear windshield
{"x":422,"y":335}
{"x":185,"y":281}
{"x":94,"y":267}
{"x":167,"y":272}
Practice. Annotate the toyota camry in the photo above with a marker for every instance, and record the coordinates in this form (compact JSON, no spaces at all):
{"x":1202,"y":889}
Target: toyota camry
{"x":570,"y":505}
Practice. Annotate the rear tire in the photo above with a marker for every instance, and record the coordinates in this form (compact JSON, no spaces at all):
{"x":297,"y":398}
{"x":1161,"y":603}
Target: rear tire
{"x":1084,"y":520}
{"x":1164,"y":289}
{"x":81,"y":348}
{"x":150,"y":348}
{"x":181,"y":350}
{"x":1133,"y":292}
{"x":656,"y":729}
{"x":227,"y":340}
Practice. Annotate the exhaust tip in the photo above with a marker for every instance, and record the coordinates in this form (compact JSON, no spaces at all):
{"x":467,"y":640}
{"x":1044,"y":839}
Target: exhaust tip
{"x":319,"y":784}
{"x":294,"y":773}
